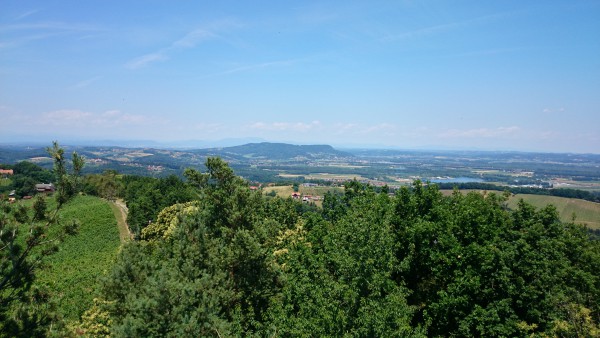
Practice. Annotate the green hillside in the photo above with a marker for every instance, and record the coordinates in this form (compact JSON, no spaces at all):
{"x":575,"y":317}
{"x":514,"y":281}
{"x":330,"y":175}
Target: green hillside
{"x":72,"y":273}
{"x":587,"y":213}
{"x":280,"y":151}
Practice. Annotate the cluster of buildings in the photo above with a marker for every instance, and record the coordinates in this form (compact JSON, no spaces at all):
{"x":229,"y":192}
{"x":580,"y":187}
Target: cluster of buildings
{"x":41,"y":188}
{"x":306,"y":198}
{"x":157,"y":168}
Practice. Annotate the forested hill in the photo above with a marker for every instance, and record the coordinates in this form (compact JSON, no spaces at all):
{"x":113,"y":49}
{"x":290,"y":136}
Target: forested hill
{"x":283,"y":151}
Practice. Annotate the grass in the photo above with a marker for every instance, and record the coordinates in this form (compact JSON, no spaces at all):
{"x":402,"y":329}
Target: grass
{"x":283,"y":191}
{"x":324,"y":176}
{"x":72,"y":273}
{"x":286,"y":191}
{"x":587,"y":213}
{"x":4,"y":182}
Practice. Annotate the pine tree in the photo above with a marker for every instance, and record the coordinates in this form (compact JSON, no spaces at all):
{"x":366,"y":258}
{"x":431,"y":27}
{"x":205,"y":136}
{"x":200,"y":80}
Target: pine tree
{"x":24,"y":243}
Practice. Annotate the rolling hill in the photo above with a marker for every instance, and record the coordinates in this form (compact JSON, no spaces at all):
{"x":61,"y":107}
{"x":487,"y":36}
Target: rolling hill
{"x":282,"y":151}
{"x":586,"y":213}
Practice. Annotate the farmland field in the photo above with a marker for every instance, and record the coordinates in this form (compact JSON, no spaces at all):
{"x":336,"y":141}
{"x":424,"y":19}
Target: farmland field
{"x":282,"y":191}
{"x":287,"y":190}
{"x":587,"y":213}
{"x":72,"y":273}
{"x":324,"y":176}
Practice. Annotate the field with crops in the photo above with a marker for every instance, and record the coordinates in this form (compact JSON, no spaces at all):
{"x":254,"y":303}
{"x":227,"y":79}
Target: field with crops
{"x":72,"y":273}
{"x":587,"y":213}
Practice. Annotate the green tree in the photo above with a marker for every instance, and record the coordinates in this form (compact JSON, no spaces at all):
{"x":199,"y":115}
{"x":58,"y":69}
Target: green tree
{"x":23,"y":246}
{"x":39,"y":208}
{"x":106,"y":185}
{"x":26,"y":176}
{"x":205,"y":270}
{"x":338,"y":274}
{"x":146,"y":197}
{"x":233,"y":263}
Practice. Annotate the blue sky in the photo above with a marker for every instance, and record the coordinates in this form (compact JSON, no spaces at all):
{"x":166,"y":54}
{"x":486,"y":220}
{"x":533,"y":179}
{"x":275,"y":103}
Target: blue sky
{"x":495,"y":75}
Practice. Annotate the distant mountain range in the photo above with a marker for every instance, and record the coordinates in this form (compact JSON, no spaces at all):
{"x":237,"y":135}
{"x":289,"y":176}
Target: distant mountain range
{"x":280,"y":151}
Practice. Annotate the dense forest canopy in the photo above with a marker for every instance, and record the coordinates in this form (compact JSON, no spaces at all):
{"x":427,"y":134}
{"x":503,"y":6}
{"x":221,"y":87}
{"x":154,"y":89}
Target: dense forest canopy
{"x":226,"y":260}
{"x":212,"y":257}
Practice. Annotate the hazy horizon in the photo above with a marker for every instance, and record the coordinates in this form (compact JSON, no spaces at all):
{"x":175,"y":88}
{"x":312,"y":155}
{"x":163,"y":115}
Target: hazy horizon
{"x":501,"y":76}
{"x":231,"y":142}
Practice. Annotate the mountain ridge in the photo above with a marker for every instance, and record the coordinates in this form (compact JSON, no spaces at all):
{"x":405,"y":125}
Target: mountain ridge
{"x":283,"y":151}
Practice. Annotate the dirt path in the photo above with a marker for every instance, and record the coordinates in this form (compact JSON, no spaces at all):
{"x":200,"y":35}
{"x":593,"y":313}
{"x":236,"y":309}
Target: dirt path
{"x":120,"y":210}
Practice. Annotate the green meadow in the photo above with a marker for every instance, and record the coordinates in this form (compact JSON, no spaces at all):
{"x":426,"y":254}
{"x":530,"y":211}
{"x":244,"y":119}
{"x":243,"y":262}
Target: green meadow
{"x":587,"y":213}
{"x":72,"y":273}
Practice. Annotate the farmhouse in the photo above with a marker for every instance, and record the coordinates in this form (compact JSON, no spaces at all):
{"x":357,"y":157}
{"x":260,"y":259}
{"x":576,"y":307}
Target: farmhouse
{"x":45,"y":188}
{"x":6,"y":172}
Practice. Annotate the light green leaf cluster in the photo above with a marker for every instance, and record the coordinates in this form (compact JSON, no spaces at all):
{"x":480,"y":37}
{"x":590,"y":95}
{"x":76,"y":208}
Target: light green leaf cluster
{"x":167,"y":221}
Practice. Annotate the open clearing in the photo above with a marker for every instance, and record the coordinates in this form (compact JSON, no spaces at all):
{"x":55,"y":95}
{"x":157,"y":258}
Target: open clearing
{"x":583,"y":185}
{"x":138,"y":154}
{"x":286,"y":191}
{"x":4,"y":182}
{"x":587,"y":213}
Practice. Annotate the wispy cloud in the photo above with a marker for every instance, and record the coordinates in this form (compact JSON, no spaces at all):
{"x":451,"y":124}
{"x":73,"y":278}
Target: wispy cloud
{"x":488,"y":52}
{"x":286,"y":126}
{"x":25,"y":39}
{"x":436,"y":29}
{"x":144,"y":60}
{"x":74,"y":118}
{"x":48,"y":26}
{"x":481,"y":132}
{"x":258,"y":66}
{"x":26,"y":14}
{"x":553,"y":110}
{"x":208,"y":127}
{"x":379,"y":128}
{"x":190,"y":40}
{"x":18,"y":34}
{"x":382,"y":129}
{"x":342,"y":128}
{"x":65,"y":116}
{"x":86,"y":82}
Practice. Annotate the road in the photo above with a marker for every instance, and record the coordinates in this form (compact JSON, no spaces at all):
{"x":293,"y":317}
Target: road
{"x":120,"y":210}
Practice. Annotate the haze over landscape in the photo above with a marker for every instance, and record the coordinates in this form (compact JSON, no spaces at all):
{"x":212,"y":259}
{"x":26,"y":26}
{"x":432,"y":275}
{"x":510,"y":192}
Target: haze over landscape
{"x":507,"y":75}
{"x":315,"y":168}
